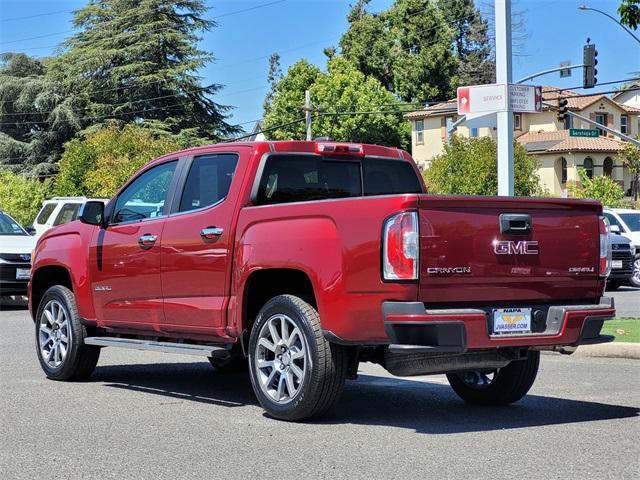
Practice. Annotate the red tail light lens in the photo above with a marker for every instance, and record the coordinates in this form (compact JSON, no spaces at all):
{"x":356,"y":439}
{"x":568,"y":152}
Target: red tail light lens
{"x":605,"y":248}
{"x":400,"y":247}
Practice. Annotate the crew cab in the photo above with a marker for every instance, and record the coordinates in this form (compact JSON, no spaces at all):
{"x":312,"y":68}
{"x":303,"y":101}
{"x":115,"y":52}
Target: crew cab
{"x":302,"y":259}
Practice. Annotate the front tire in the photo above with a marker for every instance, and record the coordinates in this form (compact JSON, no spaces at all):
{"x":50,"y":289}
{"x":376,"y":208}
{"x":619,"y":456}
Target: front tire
{"x":60,"y":338}
{"x":295,"y":372}
{"x":635,"y":279}
{"x":497,"y":387}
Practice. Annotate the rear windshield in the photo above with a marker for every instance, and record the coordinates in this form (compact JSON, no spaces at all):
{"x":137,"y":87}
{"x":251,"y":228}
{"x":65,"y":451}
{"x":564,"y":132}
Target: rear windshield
{"x":303,"y":178}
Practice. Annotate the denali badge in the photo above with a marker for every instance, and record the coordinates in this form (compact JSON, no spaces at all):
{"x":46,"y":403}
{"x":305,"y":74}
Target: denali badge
{"x":102,"y":288}
{"x":508,"y":247}
{"x":581,"y":269}
{"x":447,"y":270}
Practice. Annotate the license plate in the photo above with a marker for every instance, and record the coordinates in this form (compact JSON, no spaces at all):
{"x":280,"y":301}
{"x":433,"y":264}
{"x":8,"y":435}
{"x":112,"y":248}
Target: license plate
{"x":512,"y":320}
{"x":616,"y":264}
{"x":23,"y":273}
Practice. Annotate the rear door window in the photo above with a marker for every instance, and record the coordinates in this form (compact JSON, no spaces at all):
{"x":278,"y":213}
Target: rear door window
{"x":45,"y":213}
{"x":208,"y":181}
{"x":68,"y":213}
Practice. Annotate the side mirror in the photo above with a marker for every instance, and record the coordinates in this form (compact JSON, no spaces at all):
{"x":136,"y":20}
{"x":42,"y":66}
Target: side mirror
{"x":614,"y":229}
{"x":30,"y":230}
{"x":92,"y":213}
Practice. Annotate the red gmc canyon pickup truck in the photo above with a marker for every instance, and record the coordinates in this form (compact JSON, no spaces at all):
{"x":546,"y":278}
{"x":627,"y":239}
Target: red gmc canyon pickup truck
{"x":303,"y":259}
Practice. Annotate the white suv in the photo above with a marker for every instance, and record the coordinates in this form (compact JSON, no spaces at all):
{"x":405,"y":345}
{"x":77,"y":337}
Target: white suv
{"x":58,"y":211}
{"x":626,"y":222}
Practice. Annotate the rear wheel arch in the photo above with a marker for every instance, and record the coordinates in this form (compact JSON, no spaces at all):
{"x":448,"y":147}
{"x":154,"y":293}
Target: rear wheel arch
{"x":46,"y":277}
{"x":263,"y":285}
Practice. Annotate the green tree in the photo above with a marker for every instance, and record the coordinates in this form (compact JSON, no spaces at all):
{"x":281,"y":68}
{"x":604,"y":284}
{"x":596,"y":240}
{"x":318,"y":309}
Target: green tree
{"x":469,"y":166}
{"x":629,"y":11}
{"x":343,"y":89}
{"x":36,"y":117}
{"x":136,"y":61}
{"x":601,"y":188}
{"x":273,"y":77}
{"x":471,"y":41}
{"x":98,"y":165}
{"x":408,"y":48}
{"x":631,"y":159}
{"x":22,"y":197}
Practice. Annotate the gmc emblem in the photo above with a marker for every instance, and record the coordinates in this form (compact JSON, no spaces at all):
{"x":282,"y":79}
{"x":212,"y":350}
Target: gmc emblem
{"x":508,"y":247}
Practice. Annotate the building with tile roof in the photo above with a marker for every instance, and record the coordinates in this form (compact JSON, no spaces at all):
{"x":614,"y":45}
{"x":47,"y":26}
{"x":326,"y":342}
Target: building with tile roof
{"x":544,"y":136}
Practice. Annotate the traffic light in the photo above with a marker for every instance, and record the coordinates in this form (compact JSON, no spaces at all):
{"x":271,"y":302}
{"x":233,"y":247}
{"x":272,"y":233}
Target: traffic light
{"x":589,"y":59}
{"x":563,"y":109}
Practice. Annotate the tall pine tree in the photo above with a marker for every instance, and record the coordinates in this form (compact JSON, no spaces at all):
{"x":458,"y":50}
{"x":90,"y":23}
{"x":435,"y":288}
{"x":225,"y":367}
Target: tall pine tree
{"x":137,"y":61}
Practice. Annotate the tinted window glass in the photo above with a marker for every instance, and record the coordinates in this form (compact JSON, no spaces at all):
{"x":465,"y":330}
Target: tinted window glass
{"x":68,"y":213}
{"x":45,"y":212}
{"x":612,"y":220}
{"x":146,"y":196}
{"x":385,"y":177}
{"x":208,"y":181}
{"x":304,"y":178}
{"x":632,"y":220}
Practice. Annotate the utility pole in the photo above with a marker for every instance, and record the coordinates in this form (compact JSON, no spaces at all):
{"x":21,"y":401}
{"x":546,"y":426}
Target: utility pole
{"x":307,"y":113}
{"x":505,"y":119}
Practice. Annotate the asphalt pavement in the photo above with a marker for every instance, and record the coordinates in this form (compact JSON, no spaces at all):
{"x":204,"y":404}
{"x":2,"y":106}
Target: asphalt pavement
{"x":627,"y":301}
{"x":150,"y":415}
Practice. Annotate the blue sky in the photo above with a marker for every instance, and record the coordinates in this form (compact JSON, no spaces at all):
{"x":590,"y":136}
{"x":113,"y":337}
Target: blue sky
{"x":555,"y":31}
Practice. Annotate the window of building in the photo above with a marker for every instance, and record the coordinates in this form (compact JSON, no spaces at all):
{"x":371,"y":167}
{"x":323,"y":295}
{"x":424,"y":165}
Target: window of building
{"x":517,"y":121}
{"x":601,"y":118}
{"x":607,"y":167}
{"x":419,"y":131}
{"x":568,"y":122}
{"x":624,"y":124}
{"x":473,"y":132}
{"x":588,"y":167}
{"x":563,"y":170}
{"x":208,"y":181}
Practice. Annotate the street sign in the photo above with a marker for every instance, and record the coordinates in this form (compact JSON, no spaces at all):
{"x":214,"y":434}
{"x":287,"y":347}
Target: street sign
{"x":494,"y":98}
{"x":482,"y":98}
{"x":525,"y":98}
{"x":566,"y":72}
{"x":583,"y":132}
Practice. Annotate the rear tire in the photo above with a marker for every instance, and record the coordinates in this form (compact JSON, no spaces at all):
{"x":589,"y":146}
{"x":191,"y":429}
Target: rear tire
{"x":498,"y":387}
{"x":60,"y":337}
{"x":295,"y":372}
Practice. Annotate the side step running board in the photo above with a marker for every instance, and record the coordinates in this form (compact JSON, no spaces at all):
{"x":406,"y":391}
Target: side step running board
{"x":167,"y":347}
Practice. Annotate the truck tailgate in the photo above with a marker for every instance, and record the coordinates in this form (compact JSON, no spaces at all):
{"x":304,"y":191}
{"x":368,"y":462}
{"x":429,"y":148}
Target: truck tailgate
{"x":467,"y":257}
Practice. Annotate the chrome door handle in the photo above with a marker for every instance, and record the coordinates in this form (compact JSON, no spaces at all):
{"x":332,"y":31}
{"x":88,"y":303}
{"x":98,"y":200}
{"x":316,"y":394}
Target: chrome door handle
{"x":211,"y":234}
{"x":147,"y":241}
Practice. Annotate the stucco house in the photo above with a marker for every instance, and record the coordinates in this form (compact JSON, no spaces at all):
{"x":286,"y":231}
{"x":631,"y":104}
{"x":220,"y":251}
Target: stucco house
{"x":544,"y":136}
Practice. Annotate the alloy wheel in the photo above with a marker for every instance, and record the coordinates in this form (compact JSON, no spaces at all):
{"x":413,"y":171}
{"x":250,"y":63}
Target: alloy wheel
{"x":281,"y":359}
{"x":479,"y":378}
{"x":54,"y":334}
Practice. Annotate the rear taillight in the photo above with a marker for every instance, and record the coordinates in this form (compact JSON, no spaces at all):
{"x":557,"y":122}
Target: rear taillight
{"x":400,"y":247}
{"x":605,"y":248}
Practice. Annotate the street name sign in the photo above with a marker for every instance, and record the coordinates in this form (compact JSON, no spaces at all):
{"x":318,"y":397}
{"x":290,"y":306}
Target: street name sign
{"x":494,"y":98}
{"x":584,"y":132}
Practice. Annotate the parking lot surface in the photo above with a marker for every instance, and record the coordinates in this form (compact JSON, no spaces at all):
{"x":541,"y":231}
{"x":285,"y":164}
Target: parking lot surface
{"x":150,"y":415}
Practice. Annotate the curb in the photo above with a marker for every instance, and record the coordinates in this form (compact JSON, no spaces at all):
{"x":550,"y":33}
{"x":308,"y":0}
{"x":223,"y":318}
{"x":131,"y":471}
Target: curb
{"x":610,"y":350}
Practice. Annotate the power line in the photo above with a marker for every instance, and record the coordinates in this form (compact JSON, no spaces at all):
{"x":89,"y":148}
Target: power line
{"x":135,"y":14}
{"x":631,"y":89}
{"x":580,"y":87}
{"x":282,"y":125}
{"x":12,"y":19}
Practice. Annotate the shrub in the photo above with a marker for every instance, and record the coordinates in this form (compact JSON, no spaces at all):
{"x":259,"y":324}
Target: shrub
{"x":601,"y":188}
{"x":22,"y":197}
{"x":98,"y":165}
{"x":469,"y":166}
